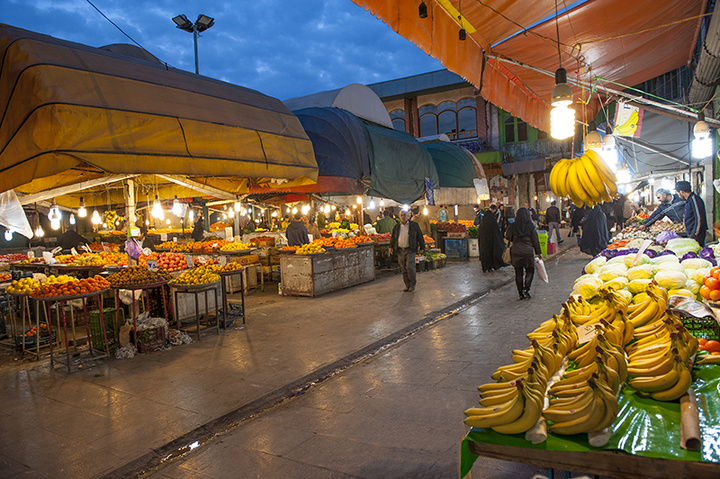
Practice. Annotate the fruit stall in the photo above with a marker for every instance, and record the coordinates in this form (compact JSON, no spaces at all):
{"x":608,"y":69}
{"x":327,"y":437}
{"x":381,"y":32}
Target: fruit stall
{"x":325,"y":265}
{"x":623,"y":381}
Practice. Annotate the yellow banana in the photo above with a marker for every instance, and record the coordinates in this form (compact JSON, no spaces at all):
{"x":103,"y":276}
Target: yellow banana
{"x":679,"y":389}
{"x":585,"y":423}
{"x":658,"y":383}
{"x":570,"y":409}
{"x":498,"y":399}
{"x":497,"y":418}
{"x":585,"y":180}
{"x":592,"y":173}
{"x":530,"y":415}
{"x":600,"y":165}
{"x":607,"y":395}
{"x":561,"y":179}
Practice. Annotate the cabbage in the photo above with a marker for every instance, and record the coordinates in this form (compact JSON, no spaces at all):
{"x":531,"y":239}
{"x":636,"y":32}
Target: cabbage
{"x":716,"y":250}
{"x":619,"y":259}
{"x":664,"y":236}
{"x":666,"y":252}
{"x":692,"y":286}
{"x":627,"y":295}
{"x":697,"y":275}
{"x":639,"y":285}
{"x":588,"y":288}
{"x":643,"y":259}
{"x":584,"y":277}
{"x":610,"y":271}
{"x":636,"y":243}
{"x":670,"y":279}
{"x":681,"y":292}
{"x":707,"y":253}
{"x":609,"y":253}
{"x":595,"y":264}
{"x":643,"y":271}
{"x":663,"y":258}
{"x":680,"y":246}
{"x":640,"y":298}
{"x":650,"y":253}
{"x":670,"y":266}
{"x":617,"y":283}
{"x":696,"y":263}
{"x":655,"y":247}
{"x":688,"y":255}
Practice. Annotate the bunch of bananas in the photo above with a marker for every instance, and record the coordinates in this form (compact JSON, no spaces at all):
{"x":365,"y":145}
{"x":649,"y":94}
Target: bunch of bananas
{"x":651,"y":308}
{"x":587,"y":180}
{"x":588,"y":406}
{"x":609,"y":310}
{"x":659,"y":359}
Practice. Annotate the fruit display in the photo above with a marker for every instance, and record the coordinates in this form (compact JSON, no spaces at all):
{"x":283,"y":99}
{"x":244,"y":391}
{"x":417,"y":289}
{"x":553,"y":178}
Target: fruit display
{"x":226,"y":268}
{"x":197,"y":276}
{"x":32,"y":261}
{"x":6,"y":258}
{"x":236,"y":246}
{"x":33,"y":331}
{"x":193,"y":246}
{"x":382,"y":238}
{"x":452,"y":227}
{"x":219,"y":225}
{"x":22,"y":286}
{"x":100,"y":246}
{"x":344,"y":243}
{"x":159,"y":231}
{"x":712,"y":346}
{"x":428,"y":240}
{"x":659,"y":226}
{"x":166,"y":261}
{"x":5,"y":277}
{"x":200,"y":261}
{"x":289,"y":248}
{"x":71,"y":288}
{"x":137,"y":275}
{"x":633,"y":232}
{"x":586,"y":180}
{"x":310,"y":248}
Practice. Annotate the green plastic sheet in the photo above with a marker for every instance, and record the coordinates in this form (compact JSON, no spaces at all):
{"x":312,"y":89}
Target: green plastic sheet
{"x":644,"y":427}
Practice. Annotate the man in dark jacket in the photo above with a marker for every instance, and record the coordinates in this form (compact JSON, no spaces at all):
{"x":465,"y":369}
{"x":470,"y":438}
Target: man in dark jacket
{"x":199,"y":230}
{"x":407,"y":240}
{"x":552,"y":216}
{"x":695,"y":219}
{"x":478,"y":215}
{"x":670,"y":206}
{"x":70,"y":239}
{"x":297,"y":233}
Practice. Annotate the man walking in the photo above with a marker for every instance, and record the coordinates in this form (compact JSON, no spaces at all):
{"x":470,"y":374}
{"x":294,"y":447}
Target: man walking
{"x":407,"y":240}
{"x":386,"y":224}
{"x":695,"y":219}
{"x":552,"y":215}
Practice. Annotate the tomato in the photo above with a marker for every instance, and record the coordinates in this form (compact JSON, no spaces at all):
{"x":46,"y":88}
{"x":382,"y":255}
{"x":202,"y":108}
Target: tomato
{"x":712,"y":346}
{"x":715,"y":272}
{"x":715,"y":295}
{"x":705,"y":292}
{"x":713,"y":283}
{"x":702,"y":341}
{"x":715,"y":353}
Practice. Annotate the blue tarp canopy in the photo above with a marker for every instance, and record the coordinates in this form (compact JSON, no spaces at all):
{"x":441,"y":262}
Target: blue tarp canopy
{"x":454,"y":166}
{"x":399,"y":164}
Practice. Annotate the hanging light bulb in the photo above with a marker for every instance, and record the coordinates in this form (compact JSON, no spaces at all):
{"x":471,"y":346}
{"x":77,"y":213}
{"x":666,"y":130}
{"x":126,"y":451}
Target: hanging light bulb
{"x":39,"y":232}
{"x":191,"y":215}
{"x":167,"y":221}
{"x":405,"y":207}
{"x":372,"y":204}
{"x":593,"y":141}
{"x":95,"y":218}
{"x":82,"y":212}
{"x":334,"y":207}
{"x":176,"y":207}
{"x":238,"y":205}
{"x":55,"y":224}
{"x":54,"y":213}
{"x":382,"y":203}
{"x":72,"y":219}
{"x":224,"y":216}
{"x":8,"y":235}
{"x":425,"y":211}
{"x":274,"y":214}
{"x":358,"y":200}
{"x":157,"y":211}
{"x":702,"y":144}
{"x":562,"y":117}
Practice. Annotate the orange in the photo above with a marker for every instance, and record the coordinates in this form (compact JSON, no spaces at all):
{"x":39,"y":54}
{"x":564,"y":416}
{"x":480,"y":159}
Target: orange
{"x":705,"y":292}
{"x":702,"y":341}
{"x":712,"y":346}
{"x":715,"y":295}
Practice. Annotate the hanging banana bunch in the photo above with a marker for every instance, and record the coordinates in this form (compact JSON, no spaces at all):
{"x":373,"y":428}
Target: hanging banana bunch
{"x":586,"y":180}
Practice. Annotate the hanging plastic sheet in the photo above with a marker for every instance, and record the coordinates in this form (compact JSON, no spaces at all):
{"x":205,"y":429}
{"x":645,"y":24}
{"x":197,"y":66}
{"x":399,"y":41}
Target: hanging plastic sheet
{"x":12,"y":215}
{"x":644,"y":427}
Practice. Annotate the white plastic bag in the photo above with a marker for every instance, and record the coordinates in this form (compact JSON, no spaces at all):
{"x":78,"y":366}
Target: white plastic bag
{"x":540,"y":267}
{"x":12,"y":215}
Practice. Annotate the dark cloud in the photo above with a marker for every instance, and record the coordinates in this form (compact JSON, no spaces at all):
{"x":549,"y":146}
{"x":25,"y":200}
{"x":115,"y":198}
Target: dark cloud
{"x":283,"y":48}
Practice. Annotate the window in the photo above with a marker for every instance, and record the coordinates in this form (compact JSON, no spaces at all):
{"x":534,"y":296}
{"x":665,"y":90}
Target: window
{"x":398,"y":124}
{"x":398,"y":119}
{"x":516,"y":130}
{"x":428,"y":120}
{"x":448,"y":123}
{"x":467,"y":128}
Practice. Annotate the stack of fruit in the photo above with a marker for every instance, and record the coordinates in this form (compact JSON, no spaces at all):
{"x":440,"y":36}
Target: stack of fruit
{"x":325,"y":242}
{"x":71,"y":288}
{"x":114,"y":258}
{"x":6,"y":258}
{"x":665,"y":226}
{"x":5,"y":277}
{"x":587,"y":180}
{"x":226,"y":268}
{"x":197,"y":276}
{"x":310,"y":248}
{"x":201,"y":261}
{"x":33,"y":331}
{"x":236,"y":246}
{"x":32,"y":261}
{"x":382,"y":238}
{"x":452,"y":227}
{"x":22,"y":286}
{"x":292,"y":248}
{"x":137,"y":275}
{"x":344,"y":243}
{"x":167,"y":261}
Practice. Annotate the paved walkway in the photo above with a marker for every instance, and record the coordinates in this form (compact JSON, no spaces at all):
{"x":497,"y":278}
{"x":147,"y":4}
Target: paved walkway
{"x":394,"y":413}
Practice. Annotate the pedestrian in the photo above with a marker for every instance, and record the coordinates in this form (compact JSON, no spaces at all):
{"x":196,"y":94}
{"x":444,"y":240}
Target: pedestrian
{"x":249,"y":225}
{"x":524,"y":242}
{"x":297,"y":233}
{"x":423,"y":222}
{"x":630,"y":208}
{"x":619,"y":212}
{"x":312,"y":229}
{"x":478,"y":215}
{"x":490,"y":242}
{"x":502,"y":219}
{"x":198,"y":232}
{"x":407,"y":240}
{"x":344,"y":222}
{"x":321,"y":221}
{"x":386,"y":224}
{"x":578,"y":213}
{"x":669,"y":206}
{"x":442,"y":214}
{"x":695,"y":219}
{"x":70,"y":239}
{"x":595,"y":233}
{"x":285,"y":222}
{"x":533,"y":214}
{"x":552,"y":216}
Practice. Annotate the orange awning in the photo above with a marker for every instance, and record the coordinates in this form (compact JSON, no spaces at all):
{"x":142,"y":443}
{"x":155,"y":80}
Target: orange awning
{"x":621,"y":41}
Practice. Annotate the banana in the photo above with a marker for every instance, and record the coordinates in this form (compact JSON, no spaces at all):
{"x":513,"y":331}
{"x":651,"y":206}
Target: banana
{"x":607,"y":395}
{"x":658,"y":368}
{"x":679,"y":389}
{"x":593,"y":174}
{"x":499,"y":416}
{"x":649,"y":311}
{"x":498,"y":399}
{"x":561,"y":178}
{"x":554,"y":174}
{"x":495,"y":387}
{"x":710,"y":359}
{"x":585,"y":181}
{"x":584,"y":423}
{"x":566,"y":410}
{"x":658,"y":383}
{"x":530,"y":415}
{"x":601,"y":167}
{"x":575,"y":184}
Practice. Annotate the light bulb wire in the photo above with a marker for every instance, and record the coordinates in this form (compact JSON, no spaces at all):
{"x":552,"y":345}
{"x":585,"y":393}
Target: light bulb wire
{"x":557,"y":31}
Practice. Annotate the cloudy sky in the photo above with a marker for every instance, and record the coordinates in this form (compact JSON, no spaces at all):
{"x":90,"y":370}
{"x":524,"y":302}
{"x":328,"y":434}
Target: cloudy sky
{"x":283,"y":48}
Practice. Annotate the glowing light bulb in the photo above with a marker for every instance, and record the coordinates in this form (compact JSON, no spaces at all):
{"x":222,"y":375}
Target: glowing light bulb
{"x":372,"y":205}
{"x":55,"y":224}
{"x":274,"y":214}
{"x":191,"y":215}
{"x":562,"y":122}
{"x":157,"y":211}
{"x":167,"y":221}
{"x":72,"y":219}
{"x":359,"y":200}
{"x":8,"y":235}
{"x":382,"y":203}
{"x":237,"y":207}
{"x":95,"y":217}
{"x":405,"y":207}
{"x":294,"y":210}
{"x":176,"y":207}
{"x":39,"y":232}
{"x":82,"y":212}
{"x":425,"y":211}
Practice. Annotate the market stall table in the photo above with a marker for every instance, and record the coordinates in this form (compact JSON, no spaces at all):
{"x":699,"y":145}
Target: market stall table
{"x":227,"y":274}
{"x":60,"y":311}
{"x":141,"y":287}
{"x":195,"y":290}
{"x":21,"y":302}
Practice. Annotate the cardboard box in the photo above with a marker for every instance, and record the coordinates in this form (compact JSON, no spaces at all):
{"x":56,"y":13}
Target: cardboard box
{"x":246,"y":259}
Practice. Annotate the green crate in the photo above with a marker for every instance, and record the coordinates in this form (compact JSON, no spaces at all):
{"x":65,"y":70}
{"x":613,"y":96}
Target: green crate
{"x":706,"y":327}
{"x":113,"y":320}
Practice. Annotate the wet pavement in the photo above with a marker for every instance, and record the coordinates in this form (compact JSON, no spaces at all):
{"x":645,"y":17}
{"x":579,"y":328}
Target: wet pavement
{"x":364,"y":382}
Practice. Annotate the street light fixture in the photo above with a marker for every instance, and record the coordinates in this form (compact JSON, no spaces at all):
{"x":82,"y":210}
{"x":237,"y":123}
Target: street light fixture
{"x":202,"y":23}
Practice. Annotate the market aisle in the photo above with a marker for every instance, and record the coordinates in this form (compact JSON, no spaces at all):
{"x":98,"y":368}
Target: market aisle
{"x":92,"y":422}
{"x":396,"y":414}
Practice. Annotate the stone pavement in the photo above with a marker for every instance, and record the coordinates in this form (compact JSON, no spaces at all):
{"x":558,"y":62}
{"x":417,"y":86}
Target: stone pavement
{"x":387,"y":400}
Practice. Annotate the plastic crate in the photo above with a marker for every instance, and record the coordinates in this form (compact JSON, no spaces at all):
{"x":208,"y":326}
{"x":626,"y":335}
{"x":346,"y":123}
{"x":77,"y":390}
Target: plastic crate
{"x":113,"y":320}
{"x":707,"y":327}
{"x":150,"y":340}
{"x":456,"y":248}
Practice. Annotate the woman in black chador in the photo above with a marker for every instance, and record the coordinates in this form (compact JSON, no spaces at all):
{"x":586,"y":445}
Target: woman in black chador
{"x":490,"y":241}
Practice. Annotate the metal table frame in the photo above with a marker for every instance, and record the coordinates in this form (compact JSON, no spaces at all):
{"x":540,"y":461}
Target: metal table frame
{"x":146,"y":288}
{"x":238,"y":272}
{"x":206,"y":289}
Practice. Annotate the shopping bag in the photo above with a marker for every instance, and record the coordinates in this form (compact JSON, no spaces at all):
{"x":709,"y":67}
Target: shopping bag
{"x":506,"y":255}
{"x":540,"y":267}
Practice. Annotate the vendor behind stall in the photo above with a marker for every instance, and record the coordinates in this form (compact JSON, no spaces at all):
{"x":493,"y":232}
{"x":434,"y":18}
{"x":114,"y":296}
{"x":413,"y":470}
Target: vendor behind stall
{"x":297,"y":233}
{"x":70,"y":239}
{"x":313,"y":230}
{"x":671,"y":207}
{"x":386,"y":224}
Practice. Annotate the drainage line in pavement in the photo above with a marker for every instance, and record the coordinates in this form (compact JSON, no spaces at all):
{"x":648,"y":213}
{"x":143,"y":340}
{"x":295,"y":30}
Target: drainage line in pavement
{"x":203,"y":434}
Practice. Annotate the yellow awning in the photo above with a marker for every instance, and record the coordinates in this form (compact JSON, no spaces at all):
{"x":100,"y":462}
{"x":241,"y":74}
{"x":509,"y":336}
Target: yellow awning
{"x":70,"y":113}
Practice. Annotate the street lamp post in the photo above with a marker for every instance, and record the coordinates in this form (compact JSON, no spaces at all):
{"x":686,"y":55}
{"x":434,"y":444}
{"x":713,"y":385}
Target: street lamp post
{"x":202,"y":23}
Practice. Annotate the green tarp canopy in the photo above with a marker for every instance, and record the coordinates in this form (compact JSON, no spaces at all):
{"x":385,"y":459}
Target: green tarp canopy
{"x":454,"y":166}
{"x":399,"y":165}
{"x":489,"y":157}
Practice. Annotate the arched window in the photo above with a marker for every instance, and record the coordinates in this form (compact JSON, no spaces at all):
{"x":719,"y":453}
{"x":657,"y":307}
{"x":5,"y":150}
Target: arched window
{"x":428,"y":120}
{"x":467,"y":125}
{"x":398,"y":119}
{"x":447,"y":122}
